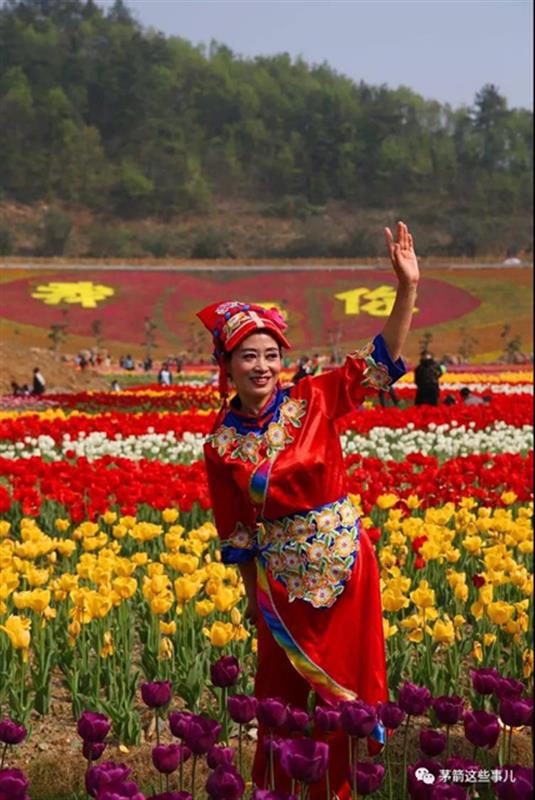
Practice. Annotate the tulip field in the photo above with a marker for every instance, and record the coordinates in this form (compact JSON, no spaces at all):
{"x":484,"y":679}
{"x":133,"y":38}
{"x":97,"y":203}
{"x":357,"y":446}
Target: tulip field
{"x":112,"y":588}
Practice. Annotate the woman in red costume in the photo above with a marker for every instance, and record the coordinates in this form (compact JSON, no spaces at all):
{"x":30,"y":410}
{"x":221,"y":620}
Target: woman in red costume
{"x":283,"y":515}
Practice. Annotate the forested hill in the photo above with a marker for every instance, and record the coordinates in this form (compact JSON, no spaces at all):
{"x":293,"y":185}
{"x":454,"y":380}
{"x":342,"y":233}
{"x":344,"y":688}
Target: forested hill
{"x":98,"y":112}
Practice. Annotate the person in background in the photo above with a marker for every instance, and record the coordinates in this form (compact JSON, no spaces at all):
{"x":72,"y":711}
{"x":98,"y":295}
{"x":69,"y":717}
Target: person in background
{"x":390,"y":392}
{"x":427,"y":376}
{"x":303,"y":369}
{"x":115,"y":386}
{"x":449,"y":400}
{"x":164,"y":376}
{"x":38,"y":386}
{"x":470,"y":399}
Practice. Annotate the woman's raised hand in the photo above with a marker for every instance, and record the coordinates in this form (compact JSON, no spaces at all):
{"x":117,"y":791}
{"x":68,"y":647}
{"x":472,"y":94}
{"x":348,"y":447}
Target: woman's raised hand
{"x":402,"y":254}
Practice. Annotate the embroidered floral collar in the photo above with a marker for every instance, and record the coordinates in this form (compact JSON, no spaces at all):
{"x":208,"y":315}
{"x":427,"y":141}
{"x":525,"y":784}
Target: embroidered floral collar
{"x":232,"y":440}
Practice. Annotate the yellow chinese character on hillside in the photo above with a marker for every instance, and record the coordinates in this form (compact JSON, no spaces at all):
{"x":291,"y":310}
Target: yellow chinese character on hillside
{"x":86,"y":293}
{"x":375,"y":302}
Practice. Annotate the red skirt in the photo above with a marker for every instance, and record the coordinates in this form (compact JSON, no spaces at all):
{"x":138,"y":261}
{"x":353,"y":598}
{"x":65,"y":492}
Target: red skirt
{"x":338,"y":652}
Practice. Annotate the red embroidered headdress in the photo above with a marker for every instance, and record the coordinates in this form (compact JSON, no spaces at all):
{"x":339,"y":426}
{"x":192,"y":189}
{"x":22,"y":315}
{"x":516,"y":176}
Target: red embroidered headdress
{"x":231,"y":322}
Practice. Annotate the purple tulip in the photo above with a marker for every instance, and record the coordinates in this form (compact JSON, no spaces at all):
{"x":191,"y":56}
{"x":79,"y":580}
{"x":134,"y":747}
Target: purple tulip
{"x":93,"y":727}
{"x":170,"y":796}
{"x":481,"y":728}
{"x":224,"y":672}
{"x":178,"y":722}
{"x":271,"y":712}
{"x":327,"y":719}
{"x":515,"y":711}
{"x":272,"y":745}
{"x":391,"y":715}
{"x":509,"y":688}
{"x":304,"y":759}
{"x":521,"y":785}
{"x":367,"y":777}
{"x":268,"y":794}
{"x":201,"y":734}
{"x":463,"y":766}
{"x":414,"y":700}
{"x":449,"y":709}
{"x":421,"y":778}
{"x":105,"y":776}
{"x":241,"y":708}
{"x":13,"y":784}
{"x":92,"y":751}
{"x":11,"y":732}
{"x":125,"y":791}
{"x":432,"y":742}
{"x":166,"y":757}
{"x":449,"y":791}
{"x":156,"y":694}
{"x":297,"y":720}
{"x":484,"y":680}
{"x":357,"y":718}
{"x":220,"y":756}
{"x":225,"y":783}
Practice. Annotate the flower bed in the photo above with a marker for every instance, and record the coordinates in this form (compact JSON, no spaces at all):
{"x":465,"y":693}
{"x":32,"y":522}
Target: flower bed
{"x":110,"y":576}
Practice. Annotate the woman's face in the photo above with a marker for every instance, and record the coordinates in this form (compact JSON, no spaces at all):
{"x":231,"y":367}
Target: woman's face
{"x":255,"y":366}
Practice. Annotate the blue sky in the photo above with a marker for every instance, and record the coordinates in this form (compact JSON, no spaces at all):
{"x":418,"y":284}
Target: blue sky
{"x":442,"y":49}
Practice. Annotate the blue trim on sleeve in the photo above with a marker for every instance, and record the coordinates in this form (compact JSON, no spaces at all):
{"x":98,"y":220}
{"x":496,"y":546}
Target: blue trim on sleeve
{"x":396,"y":369}
{"x":236,"y":555}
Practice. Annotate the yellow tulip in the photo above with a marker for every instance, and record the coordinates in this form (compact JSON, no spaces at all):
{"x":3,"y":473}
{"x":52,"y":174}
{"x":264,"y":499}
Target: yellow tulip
{"x":413,"y":501}
{"x":500,"y":612}
{"x":185,"y":589}
{"x":119,"y":531}
{"x":235,"y":616}
{"x":107,"y":647}
{"x":127,"y":521}
{"x":109,"y":517}
{"x":388,"y":629}
{"x":225,"y":599}
{"x":477,"y":652}
{"x":508,"y":498}
{"x":443,"y":631}
{"x":18,"y":630}
{"x":125,"y":587}
{"x":5,"y":527}
{"x":166,"y":648}
{"x":38,"y":600}
{"x":385,"y":501}
{"x":204,"y":607}
{"x":62,"y":525}
{"x":167,"y":628}
{"x":461,"y":592}
{"x":139,"y":559}
{"x":476,"y":609}
{"x":394,"y":601}
{"x":527,"y":661}
{"x":489,"y":639}
{"x":170,"y":515}
{"x":423,"y":596}
{"x":485,"y":594}
{"x":161,"y":603}
{"x":220,"y":633}
{"x":66,"y":547}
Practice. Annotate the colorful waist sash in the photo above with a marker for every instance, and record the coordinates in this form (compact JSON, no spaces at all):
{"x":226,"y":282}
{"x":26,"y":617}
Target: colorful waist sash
{"x":312,"y":553}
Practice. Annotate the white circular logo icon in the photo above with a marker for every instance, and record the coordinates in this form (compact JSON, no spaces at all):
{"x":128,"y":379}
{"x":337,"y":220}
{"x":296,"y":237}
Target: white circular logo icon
{"x":423,"y":774}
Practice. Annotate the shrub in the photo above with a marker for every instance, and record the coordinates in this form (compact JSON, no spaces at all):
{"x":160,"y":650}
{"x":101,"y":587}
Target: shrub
{"x":7,"y":241}
{"x":211,"y":243}
{"x":56,"y":227}
{"x":108,"y":242}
